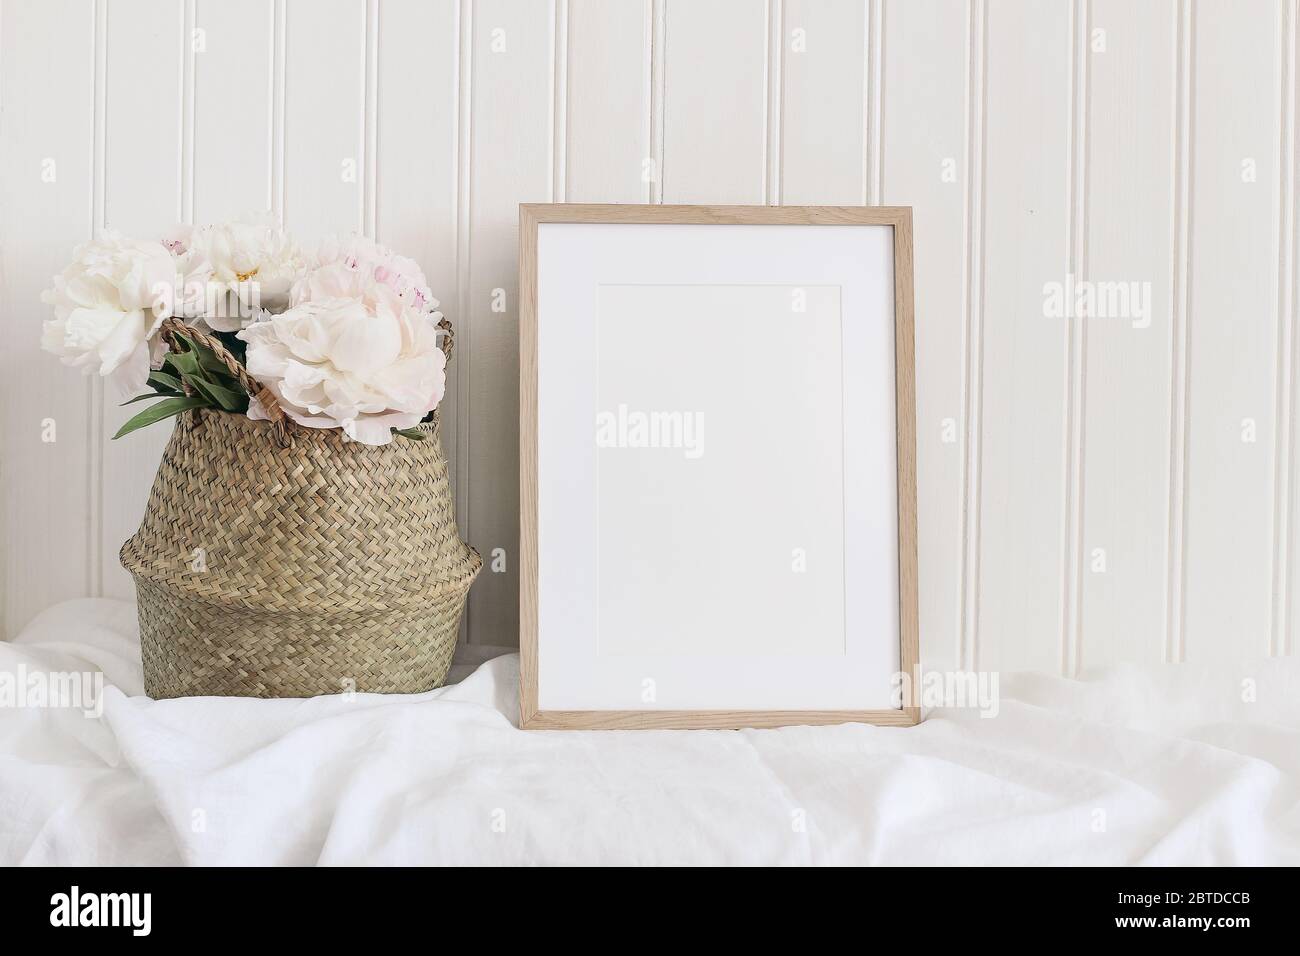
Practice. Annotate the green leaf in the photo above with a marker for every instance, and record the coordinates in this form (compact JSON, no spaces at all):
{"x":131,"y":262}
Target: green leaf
{"x":412,"y":433}
{"x":221,"y":390}
{"x":211,"y":364}
{"x":228,"y":399}
{"x":191,"y":365}
{"x":164,"y":409}
{"x":165,"y":382}
{"x":207,"y":359}
{"x":183,"y":362}
{"x":147,"y":395}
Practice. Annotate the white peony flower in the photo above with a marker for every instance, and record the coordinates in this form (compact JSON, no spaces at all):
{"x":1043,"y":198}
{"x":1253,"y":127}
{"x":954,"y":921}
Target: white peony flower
{"x":369,"y":260}
{"x":193,"y":293}
{"x":108,"y":305}
{"x":254,"y":263}
{"x":363,"y":360}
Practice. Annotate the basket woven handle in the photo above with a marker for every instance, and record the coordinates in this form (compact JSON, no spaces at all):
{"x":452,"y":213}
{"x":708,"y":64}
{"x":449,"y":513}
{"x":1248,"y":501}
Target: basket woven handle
{"x":280,"y":422}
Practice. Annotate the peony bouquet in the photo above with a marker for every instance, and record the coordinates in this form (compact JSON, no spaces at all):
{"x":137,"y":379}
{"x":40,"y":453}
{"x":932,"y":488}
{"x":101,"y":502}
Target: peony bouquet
{"x":343,"y":337}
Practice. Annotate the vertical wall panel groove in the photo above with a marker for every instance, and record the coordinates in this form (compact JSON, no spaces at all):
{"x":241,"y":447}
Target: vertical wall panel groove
{"x":464,"y":333}
{"x":186,"y":201}
{"x":278,"y":61}
{"x":649,"y":96}
{"x":973,"y":295}
{"x":868,"y":85}
{"x":658,"y":81}
{"x":95,"y":418}
{"x":1076,"y":342}
{"x":1283,"y":435}
{"x":560,"y":101}
{"x":875,"y":71}
{"x":1180,"y":342}
{"x":99,"y":94}
{"x":1286,"y":639}
{"x":775,"y":102}
{"x":370,"y":121}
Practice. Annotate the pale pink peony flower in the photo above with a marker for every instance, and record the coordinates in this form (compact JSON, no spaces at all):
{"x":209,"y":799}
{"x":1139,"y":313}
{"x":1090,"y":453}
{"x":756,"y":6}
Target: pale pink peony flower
{"x":355,"y":355}
{"x":369,"y":260}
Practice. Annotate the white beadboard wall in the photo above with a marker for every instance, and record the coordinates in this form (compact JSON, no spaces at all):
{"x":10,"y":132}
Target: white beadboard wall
{"x":1090,"y":492}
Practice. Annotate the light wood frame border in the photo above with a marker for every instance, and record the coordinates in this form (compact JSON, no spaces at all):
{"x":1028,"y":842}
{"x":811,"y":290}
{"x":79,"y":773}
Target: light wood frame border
{"x":530,"y":216}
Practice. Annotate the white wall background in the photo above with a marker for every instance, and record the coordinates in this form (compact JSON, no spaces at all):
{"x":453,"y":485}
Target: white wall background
{"x":1090,"y":492}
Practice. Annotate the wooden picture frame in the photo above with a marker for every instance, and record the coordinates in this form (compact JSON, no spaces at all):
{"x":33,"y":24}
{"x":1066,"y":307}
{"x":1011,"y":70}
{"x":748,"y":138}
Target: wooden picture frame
{"x":899,"y":219}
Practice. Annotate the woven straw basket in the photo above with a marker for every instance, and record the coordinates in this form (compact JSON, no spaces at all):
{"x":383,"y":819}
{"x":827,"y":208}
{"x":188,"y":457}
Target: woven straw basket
{"x":282,"y":561}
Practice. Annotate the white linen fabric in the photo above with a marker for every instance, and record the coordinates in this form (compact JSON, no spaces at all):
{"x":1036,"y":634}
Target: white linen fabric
{"x":1166,"y":765}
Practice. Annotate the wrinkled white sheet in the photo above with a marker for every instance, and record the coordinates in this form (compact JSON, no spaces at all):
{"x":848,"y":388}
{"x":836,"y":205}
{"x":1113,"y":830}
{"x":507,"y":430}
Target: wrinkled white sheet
{"x":1154,"y":766}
